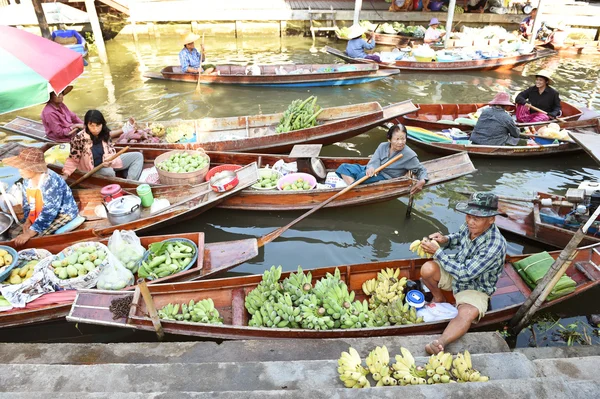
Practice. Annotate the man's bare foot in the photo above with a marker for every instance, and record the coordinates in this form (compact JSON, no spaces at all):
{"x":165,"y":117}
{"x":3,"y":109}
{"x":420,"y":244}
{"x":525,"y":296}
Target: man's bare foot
{"x":436,"y":346}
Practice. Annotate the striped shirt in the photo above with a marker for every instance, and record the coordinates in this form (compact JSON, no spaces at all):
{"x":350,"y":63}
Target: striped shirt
{"x":478,"y":263}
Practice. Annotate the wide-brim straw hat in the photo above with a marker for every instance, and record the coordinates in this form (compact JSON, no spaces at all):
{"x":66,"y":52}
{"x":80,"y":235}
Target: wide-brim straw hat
{"x":501,"y":99}
{"x":434,"y":21}
{"x":29,"y":159}
{"x":190,"y":38}
{"x":545,"y":74}
{"x":355,"y":31}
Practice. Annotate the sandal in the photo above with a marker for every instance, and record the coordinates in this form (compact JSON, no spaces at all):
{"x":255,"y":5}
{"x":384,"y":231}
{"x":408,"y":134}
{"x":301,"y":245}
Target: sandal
{"x":433,"y":348}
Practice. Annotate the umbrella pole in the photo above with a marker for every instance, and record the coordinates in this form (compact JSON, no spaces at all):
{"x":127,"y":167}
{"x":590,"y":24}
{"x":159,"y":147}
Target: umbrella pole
{"x":451,"y":6}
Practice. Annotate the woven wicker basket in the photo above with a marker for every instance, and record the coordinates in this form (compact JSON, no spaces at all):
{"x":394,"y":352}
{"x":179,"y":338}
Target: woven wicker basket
{"x":195,"y":177}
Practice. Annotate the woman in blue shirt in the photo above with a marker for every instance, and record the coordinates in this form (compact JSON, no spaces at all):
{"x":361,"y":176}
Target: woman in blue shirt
{"x":189,"y":57}
{"x":357,"y":45}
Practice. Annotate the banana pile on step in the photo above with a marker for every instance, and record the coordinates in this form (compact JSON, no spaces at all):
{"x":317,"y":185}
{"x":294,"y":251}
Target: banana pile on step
{"x":351,"y":371}
{"x":415,"y":247}
{"x":438,"y":368}
{"x":406,"y":372}
{"x":463,"y":370}
{"x":386,"y":288}
{"x":203,"y":311}
{"x":378,"y":363}
{"x":402,"y":314}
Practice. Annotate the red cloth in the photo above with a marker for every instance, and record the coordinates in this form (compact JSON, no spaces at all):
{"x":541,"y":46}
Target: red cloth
{"x":58,"y":121}
{"x":523,"y":115}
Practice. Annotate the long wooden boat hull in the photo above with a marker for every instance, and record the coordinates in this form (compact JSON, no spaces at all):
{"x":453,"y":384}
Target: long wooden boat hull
{"x":443,"y":116}
{"x":228,"y":296}
{"x":525,"y":221}
{"x":504,"y":63}
{"x":257,"y":133}
{"x":236,"y":75}
{"x":212,"y":258}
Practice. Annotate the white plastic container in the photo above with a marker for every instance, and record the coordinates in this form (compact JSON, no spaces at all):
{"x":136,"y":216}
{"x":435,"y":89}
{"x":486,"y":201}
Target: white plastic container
{"x":589,"y":187}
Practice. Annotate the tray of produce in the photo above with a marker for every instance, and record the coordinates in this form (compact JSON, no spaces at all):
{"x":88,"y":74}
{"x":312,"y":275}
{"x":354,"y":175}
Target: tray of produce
{"x":168,"y":257}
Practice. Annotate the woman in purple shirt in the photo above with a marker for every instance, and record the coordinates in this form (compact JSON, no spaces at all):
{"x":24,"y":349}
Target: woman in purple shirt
{"x":59,"y":122}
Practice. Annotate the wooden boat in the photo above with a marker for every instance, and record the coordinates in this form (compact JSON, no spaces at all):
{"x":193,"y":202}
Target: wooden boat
{"x":439,"y":170}
{"x":444,"y":116}
{"x":545,"y":147}
{"x":212,"y":258}
{"x":229,"y":294}
{"x":526,"y":221}
{"x":257,"y":133}
{"x":186,"y":202}
{"x":503,"y":63}
{"x":313,"y":75}
{"x":589,"y":143}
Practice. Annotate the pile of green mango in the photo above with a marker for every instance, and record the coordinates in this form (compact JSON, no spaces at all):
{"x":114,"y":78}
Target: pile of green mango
{"x":267,"y":181}
{"x":298,"y":185}
{"x":182,"y":162}
{"x":79,"y":263}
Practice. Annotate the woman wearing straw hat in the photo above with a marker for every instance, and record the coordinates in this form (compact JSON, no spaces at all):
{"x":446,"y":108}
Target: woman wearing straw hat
{"x":433,"y":34}
{"x":357,"y":45}
{"x":59,"y":122}
{"x":48,"y":202}
{"x":495,"y":126}
{"x":189,"y":57}
{"x":541,"y":96}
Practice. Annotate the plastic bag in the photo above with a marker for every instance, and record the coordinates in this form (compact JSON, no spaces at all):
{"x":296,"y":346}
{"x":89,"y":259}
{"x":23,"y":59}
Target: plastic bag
{"x":115,"y":277}
{"x":437,"y":311}
{"x":73,"y":259}
{"x":126,"y":246}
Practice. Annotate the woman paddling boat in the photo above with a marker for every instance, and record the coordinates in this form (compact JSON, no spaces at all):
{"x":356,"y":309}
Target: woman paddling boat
{"x":540,"y":96}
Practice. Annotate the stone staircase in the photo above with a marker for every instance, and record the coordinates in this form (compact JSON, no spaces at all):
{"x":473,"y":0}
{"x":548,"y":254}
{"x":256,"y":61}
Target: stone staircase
{"x":294,"y":369}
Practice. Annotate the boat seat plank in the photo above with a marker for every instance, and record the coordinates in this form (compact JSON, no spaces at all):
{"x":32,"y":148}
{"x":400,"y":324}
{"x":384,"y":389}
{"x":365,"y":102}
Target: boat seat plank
{"x":27,"y":127}
{"x":238,"y":312}
{"x":100,"y":299}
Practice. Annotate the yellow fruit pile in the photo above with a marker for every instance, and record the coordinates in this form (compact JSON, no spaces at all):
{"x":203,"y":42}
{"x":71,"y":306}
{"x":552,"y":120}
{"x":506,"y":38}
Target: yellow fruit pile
{"x":5,"y":258}
{"x":20,"y":274}
{"x":416,"y":248}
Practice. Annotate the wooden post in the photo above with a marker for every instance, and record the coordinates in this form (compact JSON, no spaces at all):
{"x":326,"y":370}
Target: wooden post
{"x":151,"y":308}
{"x":98,"y":39}
{"x":41,"y":17}
{"x":357,"y":8}
{"x":451,"y":6}
{"x":547,"y":283}
{"x":537,"y":22}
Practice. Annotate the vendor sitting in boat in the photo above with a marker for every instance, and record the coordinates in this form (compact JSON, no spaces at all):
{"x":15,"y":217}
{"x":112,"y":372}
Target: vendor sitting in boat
{"x":526,"y":26}
{"x":395,"y":145}
{"x":59,"y":122}
{"x":93,"y":147}
{"x":48,"y":202}
{"x":541,"y":96}
{"x":495,"y":126}
{"x":433,"y":34}
{"x":189,"y":57}
{"x":357,"y":45}
{"x":472,"y":273}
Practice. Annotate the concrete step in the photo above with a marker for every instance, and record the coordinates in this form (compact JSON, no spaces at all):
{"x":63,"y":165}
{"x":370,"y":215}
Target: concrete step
{"x":576,"y":368}
{"x":209,"y":377}
{"x":526,"y":388}
{"x":553,"y":352}
{"x":233,"y":351}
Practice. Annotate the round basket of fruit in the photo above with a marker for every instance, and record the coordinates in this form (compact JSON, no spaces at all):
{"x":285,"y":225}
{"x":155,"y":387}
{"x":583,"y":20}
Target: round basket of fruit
{"x":268,"y":179}
{"x":8,"y":261}
{"x":297,"y":182}
{"x":79,"y":265}
{"x":182,"y":167}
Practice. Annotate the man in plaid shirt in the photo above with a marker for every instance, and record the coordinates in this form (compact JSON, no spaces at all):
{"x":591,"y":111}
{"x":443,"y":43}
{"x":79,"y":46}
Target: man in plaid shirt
{"x":473,"y":272}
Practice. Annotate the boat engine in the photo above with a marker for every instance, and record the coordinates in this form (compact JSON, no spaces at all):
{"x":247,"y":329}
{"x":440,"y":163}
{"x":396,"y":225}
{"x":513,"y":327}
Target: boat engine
{"x":585,"y":199}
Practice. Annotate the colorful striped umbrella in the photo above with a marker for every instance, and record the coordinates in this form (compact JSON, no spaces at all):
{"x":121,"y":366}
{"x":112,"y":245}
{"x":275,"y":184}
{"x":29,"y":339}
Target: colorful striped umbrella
{"x":31,"y":67}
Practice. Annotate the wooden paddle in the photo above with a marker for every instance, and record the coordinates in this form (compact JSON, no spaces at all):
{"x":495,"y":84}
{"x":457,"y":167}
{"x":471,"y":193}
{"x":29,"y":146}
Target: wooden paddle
{"x":411,"y":197}
{"x":97,"y":168}
{"x":200,"y":66}
{"x":545,"y":113}
{"x":276,"y":233}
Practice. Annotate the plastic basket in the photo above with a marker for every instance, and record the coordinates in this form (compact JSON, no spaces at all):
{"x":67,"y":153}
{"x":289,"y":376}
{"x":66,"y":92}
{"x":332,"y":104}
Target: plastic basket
{"x":221,"y":168}
{"x":195,"y":177}
{"x":292,"y":177}
{"x":189,"y":266}
{"x":15,"y":259}
{"x":549,"y":219}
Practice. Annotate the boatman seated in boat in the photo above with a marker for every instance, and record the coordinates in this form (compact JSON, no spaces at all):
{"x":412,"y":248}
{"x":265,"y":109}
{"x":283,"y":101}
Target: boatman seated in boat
{"x":395,"y":145}
{"x":190,"y":58}
{"x":93,"y":147}
{"x":541,"y":96}
{"x":433,"y":34}
{"x":472,"y":273}
{"x":59,"y":122}
{"x":357,"y":45}
{"x":495,"y":126}
{"x":48,"y":202}
{"x":526,"y":26}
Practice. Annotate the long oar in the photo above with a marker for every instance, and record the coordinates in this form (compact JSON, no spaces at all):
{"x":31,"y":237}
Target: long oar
{"x":274,"y":234}
{"x":545,"y":113}
{"x":200,"y":67}
{"x":97,"y":168}
{"x":411,"y":197}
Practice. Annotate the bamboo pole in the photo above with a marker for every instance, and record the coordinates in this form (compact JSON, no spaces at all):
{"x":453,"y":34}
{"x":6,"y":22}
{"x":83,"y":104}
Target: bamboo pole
{"x":151,"y":308}
{"x":90,"y":8}
{"x":547,"y":283}
{"x":41,"y":17}
{"x":451,"y":6}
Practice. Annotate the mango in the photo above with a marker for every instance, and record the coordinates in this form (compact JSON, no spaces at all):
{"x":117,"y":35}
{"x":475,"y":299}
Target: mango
{"x":56,"y":264}
{"x":72,"y":259}
{"x":89,"y":266}
{"x":72,"y":271}
{"x":23,"y":271}
{"x":29,"y":274}
{"x":16,"y":279}
{"x":63,"y":274}
{"x":3,"y":252}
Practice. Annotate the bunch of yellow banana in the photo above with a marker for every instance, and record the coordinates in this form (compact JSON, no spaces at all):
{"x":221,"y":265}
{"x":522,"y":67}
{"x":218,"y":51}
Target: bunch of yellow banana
{"x":351,"y":371}
{"x":386,"y":288}
{"x":378,"y":362}
{"x":399,"y":313}
{"x":5,"y":258}
{"x":416,"y":248}
{"x":463,"y":370}
{"x":405,"y":370}
{"x":438,"y":368}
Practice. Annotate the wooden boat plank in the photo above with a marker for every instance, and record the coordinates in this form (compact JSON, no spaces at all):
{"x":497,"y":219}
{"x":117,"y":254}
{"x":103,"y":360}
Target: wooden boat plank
{"x":505,"y":302}
{"x":590,"y":144}
{"x":26,"y":127}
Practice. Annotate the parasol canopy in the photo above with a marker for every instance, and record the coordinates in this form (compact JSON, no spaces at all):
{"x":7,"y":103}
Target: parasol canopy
{"x":31,"y":67}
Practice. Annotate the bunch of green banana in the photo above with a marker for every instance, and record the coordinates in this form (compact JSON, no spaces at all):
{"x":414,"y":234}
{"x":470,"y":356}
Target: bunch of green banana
{"x":269,"y":289}
{"x":438,"y":368}
{"x":351,"y":371}
{"x":338,"y":301}
{"x":380,"y":316}
{"x":299,"y":115}
{"x":313,"y":316}
{"x":267,"y":316}
{"x":324,"y":286}
{"x":386,"y":288}
{"x":297,"y":285}
{"x":416,"y":248}
{"x":463,"y":370}
{"x":402,"y":314}
{"x":203,"y":311}
{"x":169,"y":311}
{"x":405,"y":370}
{"x":290,"y":315}
{"x":359,"y":316}
{"x":378,"y":363}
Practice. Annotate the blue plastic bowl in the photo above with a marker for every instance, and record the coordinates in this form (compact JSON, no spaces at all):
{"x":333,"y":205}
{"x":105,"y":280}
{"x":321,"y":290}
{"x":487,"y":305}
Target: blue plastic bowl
{"x":15,"y":260}
{"x":189,"y":266}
